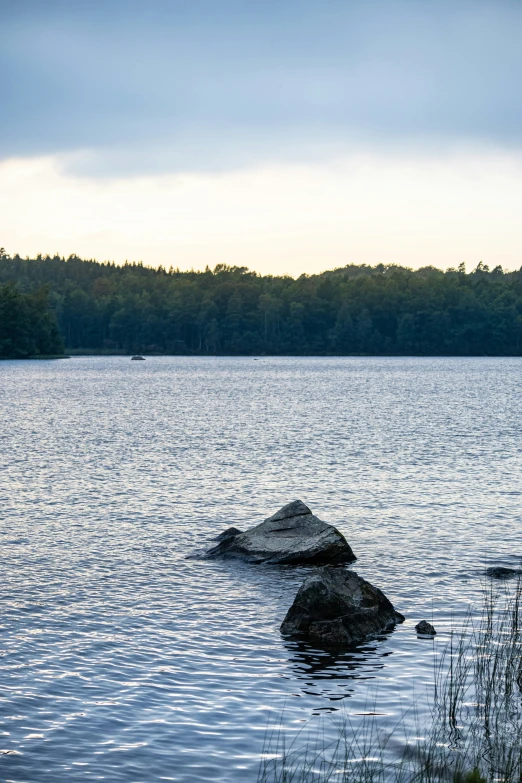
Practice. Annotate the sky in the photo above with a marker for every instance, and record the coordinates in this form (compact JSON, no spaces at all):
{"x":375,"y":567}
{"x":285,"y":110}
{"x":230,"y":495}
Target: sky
{"x":290,"y":136}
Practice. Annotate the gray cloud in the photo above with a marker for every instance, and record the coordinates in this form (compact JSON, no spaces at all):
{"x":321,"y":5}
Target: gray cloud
{"x":145,"y":85}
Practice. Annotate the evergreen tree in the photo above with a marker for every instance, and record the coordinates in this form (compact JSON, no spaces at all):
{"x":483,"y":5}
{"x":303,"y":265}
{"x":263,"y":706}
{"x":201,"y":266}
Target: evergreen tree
{"x":229,"y":310}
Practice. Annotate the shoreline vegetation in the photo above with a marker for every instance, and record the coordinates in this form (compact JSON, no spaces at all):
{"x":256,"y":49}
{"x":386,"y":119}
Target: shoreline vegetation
{"x":28,"y":325}
{"x":52,"y":306}
{"x":473,"y":735}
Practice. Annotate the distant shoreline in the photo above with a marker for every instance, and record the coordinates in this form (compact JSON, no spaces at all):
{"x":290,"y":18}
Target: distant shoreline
{"x":86,"y":308}
{"x":74,"y":354}
{"x":45,"y":357}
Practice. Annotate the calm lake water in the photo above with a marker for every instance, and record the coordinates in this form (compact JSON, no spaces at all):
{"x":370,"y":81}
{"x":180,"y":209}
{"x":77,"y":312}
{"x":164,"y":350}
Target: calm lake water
{"x":121,"y":659}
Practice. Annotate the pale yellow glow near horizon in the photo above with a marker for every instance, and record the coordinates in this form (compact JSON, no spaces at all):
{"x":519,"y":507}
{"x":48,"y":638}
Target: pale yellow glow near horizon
{"x":278,"y":219}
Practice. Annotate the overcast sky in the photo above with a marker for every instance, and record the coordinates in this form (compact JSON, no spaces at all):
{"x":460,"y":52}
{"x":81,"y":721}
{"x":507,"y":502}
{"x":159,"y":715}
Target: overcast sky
{"x":289,"y":136}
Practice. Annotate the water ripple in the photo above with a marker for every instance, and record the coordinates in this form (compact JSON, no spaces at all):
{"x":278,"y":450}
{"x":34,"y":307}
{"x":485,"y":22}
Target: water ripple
{"x":121,"y":659}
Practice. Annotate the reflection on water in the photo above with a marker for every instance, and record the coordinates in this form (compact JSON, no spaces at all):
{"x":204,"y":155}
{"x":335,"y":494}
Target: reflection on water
{"x":122,"y":659}
{"x":323,"y":665}
{"x":329,"y":675}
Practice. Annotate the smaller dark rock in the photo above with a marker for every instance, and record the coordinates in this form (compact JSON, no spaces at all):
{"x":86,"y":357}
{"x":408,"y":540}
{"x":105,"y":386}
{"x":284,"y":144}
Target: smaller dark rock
{"x":499,"y":572}
{"x":425,"y":628}
{"x":228,"y":533}
{"x":137,"y":358}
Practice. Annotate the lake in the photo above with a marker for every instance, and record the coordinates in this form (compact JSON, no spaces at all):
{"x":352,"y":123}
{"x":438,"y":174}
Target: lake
{"x":121,"y":659}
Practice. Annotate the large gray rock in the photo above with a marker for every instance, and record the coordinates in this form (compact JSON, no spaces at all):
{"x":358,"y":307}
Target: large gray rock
{"x":292,"y":535}
{"x":335,"y":608}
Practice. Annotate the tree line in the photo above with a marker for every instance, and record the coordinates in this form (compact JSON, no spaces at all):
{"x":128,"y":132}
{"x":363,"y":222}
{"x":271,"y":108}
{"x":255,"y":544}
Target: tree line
{"x":28,"y":326}
{"x":358,"y":309}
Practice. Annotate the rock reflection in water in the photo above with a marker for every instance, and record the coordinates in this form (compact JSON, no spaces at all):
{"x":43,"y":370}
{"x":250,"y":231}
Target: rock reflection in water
{"x":331,"y":675}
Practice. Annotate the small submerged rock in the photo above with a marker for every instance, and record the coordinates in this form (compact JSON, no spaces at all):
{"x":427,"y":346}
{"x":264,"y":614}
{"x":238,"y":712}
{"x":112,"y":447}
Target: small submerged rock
{"x":292,"y":535}
{"x":228,"y":533}
{"x":336,"y":608}
{"x":499,"y":572}
{"x":137,"y":358}
{"x":424,"y":628}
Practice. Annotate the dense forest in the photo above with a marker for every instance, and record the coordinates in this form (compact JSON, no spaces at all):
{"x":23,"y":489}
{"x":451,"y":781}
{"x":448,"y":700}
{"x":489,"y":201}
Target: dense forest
{"x":230,"y":310}
{"x":28,"y":327}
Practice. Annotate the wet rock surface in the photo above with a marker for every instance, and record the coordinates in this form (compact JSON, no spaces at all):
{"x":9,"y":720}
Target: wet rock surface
{"x":293,"y":535}
{"x":424,"y":628}
{"x":230,"y":532}
{"x":336,"y":608}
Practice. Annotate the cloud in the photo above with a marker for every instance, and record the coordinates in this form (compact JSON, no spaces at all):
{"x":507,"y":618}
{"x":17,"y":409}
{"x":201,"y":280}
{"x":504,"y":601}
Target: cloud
{"x":152,"y":85}
{"x":367,"y":208}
